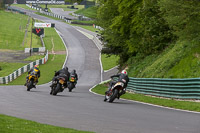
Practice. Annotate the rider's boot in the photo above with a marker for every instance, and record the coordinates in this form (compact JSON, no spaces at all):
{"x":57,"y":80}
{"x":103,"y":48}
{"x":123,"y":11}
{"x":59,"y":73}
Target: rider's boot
{"x":105,"y":99}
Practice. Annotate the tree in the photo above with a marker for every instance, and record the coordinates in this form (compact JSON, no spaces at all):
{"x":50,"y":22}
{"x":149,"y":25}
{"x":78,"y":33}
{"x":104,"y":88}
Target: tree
{"x":132,"y":27}
{"x":74,"y":1}
{"x":183,"y":16}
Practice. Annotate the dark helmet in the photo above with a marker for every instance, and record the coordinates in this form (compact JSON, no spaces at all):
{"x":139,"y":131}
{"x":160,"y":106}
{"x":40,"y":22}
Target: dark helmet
{"x":74,"y":71}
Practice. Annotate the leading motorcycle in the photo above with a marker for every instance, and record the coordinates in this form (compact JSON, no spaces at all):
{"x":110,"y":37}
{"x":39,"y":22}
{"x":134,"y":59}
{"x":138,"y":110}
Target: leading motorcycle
{"x":31,"y":82}
{"x":114,"y":92}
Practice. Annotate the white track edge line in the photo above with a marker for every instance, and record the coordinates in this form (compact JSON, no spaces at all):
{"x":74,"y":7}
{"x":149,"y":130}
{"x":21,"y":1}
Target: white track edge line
{"x":90,"y":90}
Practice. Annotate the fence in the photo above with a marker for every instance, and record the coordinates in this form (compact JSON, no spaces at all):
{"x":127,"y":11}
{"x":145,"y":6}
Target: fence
{"x":20,"y":71}
{"x":170,"y":88}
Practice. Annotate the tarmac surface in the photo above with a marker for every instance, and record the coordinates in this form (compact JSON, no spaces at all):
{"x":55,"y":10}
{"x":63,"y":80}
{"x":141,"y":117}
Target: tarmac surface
{"x":84,"y":110}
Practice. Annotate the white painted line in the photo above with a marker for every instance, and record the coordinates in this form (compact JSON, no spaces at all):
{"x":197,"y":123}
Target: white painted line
{"x":101,"y":67}
{"x":86,"y":34}
{"x":64,"y":45}
{"x":112,"y":68}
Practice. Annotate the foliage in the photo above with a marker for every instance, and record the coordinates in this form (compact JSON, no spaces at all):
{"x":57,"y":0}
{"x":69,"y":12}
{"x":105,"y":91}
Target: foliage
{"x":183,"y":17}
{"x":74,"y":1}
{"x":133,"y":27}
{"x":9,"y":2}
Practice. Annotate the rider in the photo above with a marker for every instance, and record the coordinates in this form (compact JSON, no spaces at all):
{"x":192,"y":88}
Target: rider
{"x":122,"y":77}
{"x":35,"y":70}
{"x":74,"y":74}
{"x":62,"y":72}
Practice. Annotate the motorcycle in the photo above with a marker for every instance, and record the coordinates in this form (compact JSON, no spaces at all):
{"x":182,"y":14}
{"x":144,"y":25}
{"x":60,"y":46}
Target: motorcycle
{"x":71,"y":83}
{"x":58,"y":85}
{"x":114,"y":92}
{"x":31,"y":82}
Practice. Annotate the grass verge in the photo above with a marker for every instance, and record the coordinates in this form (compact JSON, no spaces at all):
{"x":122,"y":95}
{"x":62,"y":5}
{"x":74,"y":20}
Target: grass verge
{"x":109,"y":62}
{"x":47,"y":70}
{"x":8,"y":68}
{"x":185,"y":105}
{"x":12,"y":34}
{"x":23,"y":6}
{"x":90,"y":12}
{"x":17,"y":125}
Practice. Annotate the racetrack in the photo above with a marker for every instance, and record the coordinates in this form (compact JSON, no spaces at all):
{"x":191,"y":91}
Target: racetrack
{"x":83,"y":110}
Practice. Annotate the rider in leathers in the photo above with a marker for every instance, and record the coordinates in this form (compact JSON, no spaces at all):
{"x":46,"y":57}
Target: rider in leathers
{"x":64,"y":73}
{"x":74,"y":74}
{"x":36,"y":70}
{"x":122,"y":77}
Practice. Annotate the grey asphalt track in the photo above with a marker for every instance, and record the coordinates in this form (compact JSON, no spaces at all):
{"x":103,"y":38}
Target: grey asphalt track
{"x":61,"y":12}
{"x":83,"y":110}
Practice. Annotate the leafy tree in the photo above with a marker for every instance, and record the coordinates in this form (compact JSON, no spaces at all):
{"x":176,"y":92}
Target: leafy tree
{"x":1,"y":4}
{"x":73,"y":1}
{"x":133,"y":27}
{"x":183,"y":16}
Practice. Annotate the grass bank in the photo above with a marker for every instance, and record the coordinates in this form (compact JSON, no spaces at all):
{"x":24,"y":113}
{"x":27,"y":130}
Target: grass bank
{"x":17,"y":125}
{"x":12,"y":34}
{"x":180,"y":60}
{"x":109,"y":61}
{"x":90,"y":12}
{"x":55,"y":62}
{"x":185,"y":105}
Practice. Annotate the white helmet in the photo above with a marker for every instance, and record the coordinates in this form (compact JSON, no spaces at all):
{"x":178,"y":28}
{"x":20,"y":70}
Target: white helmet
{"x":124,"y":72}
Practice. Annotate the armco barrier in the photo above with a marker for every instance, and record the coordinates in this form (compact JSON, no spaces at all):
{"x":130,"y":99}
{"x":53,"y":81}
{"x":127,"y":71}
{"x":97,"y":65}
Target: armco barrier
{"x":170,"y":88}
{"x":20,"y":71}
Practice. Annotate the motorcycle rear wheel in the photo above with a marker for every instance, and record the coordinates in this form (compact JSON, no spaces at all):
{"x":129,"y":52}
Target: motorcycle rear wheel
{"x":70,"y":87}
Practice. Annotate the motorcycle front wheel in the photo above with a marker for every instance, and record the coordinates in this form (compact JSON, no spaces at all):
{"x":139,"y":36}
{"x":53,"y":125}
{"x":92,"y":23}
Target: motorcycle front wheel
{"x":30,"y":85}
{"x":56,"y":90}
{"x":113,"y":96}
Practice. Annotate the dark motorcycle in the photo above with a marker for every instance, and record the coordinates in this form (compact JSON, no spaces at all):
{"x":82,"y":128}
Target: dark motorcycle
{"x":71,"y":83}
{"x":114,"y":92}
{"x":31,"y":82}
{"x":58,"y":85}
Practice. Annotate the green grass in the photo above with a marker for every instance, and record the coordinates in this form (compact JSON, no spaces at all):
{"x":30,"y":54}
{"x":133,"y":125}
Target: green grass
{"x":90,"y":28}
{"x":16,"y":125}
{"x":51,"y":35}
{"x":47,"y":16}
{"x":90,"y":12}
{"x":180,"y":60}
{"x":109,"y":62}
{"x":34,"y":57}
{"x":185,"y":105}
{"x":54,"y":63}
{"x":23,"y":6}
{"x":46,"y":70}
{"x":8,"y":68}
{"x":84,"y":22}
{"x":12,"y":34}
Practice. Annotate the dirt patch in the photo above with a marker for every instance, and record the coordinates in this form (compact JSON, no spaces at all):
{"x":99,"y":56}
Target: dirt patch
{"x":17,"y":56}
{"x":58,"y":52}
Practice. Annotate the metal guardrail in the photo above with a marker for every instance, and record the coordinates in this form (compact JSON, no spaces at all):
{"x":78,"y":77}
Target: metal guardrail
{"x":170,"y":88}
